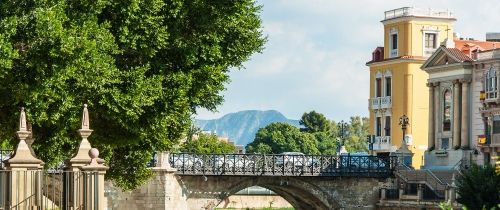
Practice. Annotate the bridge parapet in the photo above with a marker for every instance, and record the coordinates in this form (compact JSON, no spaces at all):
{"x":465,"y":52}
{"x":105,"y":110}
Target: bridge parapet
{"x":282,"y":165}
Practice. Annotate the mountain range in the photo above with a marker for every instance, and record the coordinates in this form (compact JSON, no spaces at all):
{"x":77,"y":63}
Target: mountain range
{"x":241,"y":127}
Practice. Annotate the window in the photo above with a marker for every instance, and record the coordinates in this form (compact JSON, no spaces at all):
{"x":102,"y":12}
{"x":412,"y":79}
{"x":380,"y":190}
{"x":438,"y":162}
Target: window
{"x":378,"y":127}
{"x":490,"y":85}
{"x":387,"y":86}
{"x":430,"y":40}
{"x":387,"y":126}
{"x":393,"y":43}
{"x":378,"y":87}
{"x":447,"y":110}
{"x":496,"y":124}
{"x":445,"y":143}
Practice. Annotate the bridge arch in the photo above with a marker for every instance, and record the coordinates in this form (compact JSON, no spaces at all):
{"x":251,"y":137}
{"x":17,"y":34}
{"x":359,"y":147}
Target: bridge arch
{"x":300,"y":193}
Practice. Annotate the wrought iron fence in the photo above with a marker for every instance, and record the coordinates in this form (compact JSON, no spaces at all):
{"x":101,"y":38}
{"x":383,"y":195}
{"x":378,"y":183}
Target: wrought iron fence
{"x":37,"y":189}
{"x":282,"y":165}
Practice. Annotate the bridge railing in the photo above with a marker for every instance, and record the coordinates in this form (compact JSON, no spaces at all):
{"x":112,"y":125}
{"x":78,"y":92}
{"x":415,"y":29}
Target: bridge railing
{"x":281,"y":165}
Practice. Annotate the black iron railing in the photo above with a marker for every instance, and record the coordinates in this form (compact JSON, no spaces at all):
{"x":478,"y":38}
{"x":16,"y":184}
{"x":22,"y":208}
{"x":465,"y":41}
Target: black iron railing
{"x":282,"y":165}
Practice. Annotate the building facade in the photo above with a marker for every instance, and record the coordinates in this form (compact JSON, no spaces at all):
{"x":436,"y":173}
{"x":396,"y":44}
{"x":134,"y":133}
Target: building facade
{"x":398,"y":85}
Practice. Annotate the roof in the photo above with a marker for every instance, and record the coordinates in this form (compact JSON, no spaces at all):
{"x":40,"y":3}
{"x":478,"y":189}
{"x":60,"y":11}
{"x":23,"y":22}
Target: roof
{"x":466,"y":45}
{"x":458,"y":54}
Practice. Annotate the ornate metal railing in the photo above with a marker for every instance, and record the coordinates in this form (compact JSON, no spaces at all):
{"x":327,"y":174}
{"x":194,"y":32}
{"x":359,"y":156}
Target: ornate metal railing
{"x":282,"y":165}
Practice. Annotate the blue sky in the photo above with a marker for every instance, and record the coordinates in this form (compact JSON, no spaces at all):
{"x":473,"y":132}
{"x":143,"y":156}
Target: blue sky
{"x":316,"y":53}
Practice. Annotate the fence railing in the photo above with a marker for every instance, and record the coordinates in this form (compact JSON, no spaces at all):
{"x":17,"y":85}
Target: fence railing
{"x":282,"y":165}
{"x":37,"y":189}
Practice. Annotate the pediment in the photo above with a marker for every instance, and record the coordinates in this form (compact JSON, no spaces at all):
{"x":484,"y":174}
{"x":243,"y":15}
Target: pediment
{"x":444,"y":56}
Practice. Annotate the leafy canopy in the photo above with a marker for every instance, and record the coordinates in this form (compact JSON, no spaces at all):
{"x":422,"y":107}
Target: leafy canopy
{"x":318,"y":136}
{"x":479,"y":187}
{"x":207,"y":144}
{"x":143,"y":66}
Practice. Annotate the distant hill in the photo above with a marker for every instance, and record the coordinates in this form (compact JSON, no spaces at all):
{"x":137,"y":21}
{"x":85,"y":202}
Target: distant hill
{"x":242,"y":126}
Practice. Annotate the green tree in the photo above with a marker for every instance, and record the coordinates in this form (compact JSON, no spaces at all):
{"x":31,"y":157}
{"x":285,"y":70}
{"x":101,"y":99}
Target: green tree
{"x":315,"y":122}
{"x":282,"y":137}
{"x":327,"y":144}
{"x":356,"y":135}
{"x":479,"y":187}
{"x":143,"y":66}
{"x":207,"y":144}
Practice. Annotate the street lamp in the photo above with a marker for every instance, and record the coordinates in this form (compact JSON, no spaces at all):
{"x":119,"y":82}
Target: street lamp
{"x":340,"y":147}
{"x":403,"y":122}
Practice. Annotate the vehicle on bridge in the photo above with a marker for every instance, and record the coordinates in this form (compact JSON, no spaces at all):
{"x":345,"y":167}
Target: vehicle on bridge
{"x":296,"y":159}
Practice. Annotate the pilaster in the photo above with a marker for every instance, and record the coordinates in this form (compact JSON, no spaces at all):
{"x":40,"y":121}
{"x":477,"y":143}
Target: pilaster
{"x":465,"y":114}
{"x":456,"y":114}
{"x":432,"y":131}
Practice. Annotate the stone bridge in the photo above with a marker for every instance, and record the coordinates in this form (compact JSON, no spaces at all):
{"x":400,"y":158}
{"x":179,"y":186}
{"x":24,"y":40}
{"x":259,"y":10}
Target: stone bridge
{"x":306,"y":182}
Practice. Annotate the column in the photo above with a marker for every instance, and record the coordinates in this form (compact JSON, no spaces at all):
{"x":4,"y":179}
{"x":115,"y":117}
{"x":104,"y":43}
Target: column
{"x":93,"y":186}
{"x":436,"y":112}
{"x":456,"y":114}
{"x":465,"y":114}
{"x":430,"y":141}
{"x":24,"y":172}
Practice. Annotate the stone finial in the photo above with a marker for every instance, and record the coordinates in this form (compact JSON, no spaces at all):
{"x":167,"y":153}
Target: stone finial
{"x":23,"y":132}
{"x":22,"y":121}
{"x":94,"y":156}
{"x":85,"y":118}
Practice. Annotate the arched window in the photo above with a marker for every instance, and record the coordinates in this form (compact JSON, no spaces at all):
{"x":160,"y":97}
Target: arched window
{"x":447,"y":110}
{"x":490,"y":85}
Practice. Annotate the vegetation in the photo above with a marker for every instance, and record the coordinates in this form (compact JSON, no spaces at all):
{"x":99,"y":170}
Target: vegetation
{"x":479,"y":187}
{"x":318,"y":136}
{"x":142,"y":66}
{"x":207,"y":144}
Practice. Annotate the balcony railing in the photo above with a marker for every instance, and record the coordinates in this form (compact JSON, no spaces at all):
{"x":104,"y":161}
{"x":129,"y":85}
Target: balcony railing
{"x":382,"y":143}
{"x":380,"y":102}
{"x":411,"y":11}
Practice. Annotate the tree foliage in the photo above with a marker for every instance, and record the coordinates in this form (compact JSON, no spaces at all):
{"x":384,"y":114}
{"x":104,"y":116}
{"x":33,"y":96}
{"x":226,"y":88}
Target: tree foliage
{"x":207,"y":144}
{"x":143,"y":66}
{"x":282,"y":137}
{"x":318,"y":136}
{"x":479,"y":187}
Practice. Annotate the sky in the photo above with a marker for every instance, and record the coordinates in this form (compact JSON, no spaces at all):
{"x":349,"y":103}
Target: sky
{"x":316,"y":52}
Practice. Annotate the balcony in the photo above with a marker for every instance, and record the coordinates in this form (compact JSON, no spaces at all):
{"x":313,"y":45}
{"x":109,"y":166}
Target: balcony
{"x":380,"y":102}
{"x":411,"y":11}
{"x":382,"y":143}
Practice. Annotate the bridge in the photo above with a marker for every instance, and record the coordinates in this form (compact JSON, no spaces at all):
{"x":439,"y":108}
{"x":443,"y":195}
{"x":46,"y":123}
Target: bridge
{"x":205,"y":181}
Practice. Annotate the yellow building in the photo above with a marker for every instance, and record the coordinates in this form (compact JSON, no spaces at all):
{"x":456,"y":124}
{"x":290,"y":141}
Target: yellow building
{"x":398,"y":85}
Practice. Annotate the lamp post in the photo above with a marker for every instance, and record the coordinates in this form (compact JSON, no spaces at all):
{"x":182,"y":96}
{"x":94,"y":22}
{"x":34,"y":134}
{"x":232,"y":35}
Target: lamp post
{"x":343,"y":126}
{"x":403,"y":122}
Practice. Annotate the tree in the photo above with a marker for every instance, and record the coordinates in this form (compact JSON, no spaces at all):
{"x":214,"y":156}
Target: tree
{"x":315,"y":122}
{"x":207,"y":144}
{"x":357,"y":132}
{"x":142,"y":66}
{"x":479,"y":187}
{"x":282,"y":137}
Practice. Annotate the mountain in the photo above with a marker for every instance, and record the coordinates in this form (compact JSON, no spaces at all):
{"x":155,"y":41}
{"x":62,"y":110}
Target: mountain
{"x":242,"y":126}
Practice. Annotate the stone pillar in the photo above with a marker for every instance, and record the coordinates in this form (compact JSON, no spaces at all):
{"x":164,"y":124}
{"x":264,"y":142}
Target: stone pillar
{"x":465,"y":114}
{"x":401,"y":190}
{"x":456,"y":114}
{"x":383,"y":194}
{"x":93,"y":187}
{"x":452,"y":195}
{"x":436,"y":112}
{"x":24,"y":173}
{"x":74,"y":177}
{"x":430,"y":141}
{"x":420,"y":192}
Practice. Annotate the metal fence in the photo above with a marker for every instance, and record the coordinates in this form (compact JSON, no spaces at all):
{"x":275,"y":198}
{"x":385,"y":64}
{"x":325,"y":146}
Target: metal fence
{"x":41,"y":190}
{"x":282,"y":165}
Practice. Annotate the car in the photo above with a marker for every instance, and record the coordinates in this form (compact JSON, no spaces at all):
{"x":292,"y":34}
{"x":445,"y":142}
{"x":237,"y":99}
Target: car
{"x":186,"y":161}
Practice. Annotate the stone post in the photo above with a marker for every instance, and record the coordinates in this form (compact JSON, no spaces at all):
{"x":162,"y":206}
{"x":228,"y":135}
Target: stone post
{"x":401,"y":190}
{"x":436,"y":111}
{"x":420,"y":192}
{"x":93,"y":189}
{"x":465,"y":114}
{"x":453,"y":195}
{"x":456,"y":114}
{"x":25,"y":173}
{"x":383,"y":194}
{"x":74,"y":177}
{"x":430,"y":141}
